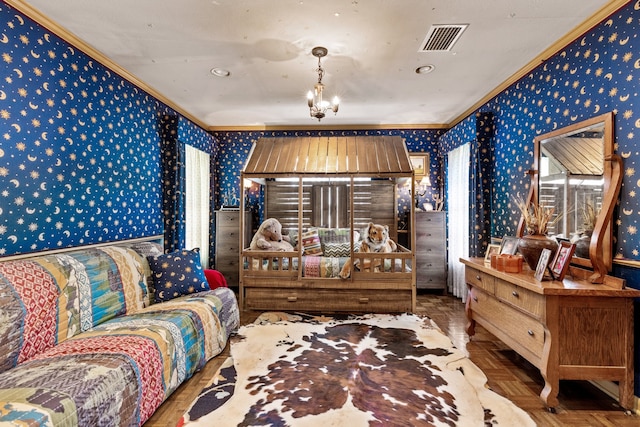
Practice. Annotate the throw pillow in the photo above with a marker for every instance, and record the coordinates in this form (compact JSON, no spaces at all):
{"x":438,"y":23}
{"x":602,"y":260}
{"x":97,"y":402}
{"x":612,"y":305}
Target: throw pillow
{"x":337,"y":235}
{"x":177,"y":273}
{"x":337,"y":249}
{"x":215,"y":279}
{"x":311,"y":243}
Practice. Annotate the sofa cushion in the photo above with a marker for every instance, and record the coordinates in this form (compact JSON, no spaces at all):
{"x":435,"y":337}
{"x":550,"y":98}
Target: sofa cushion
{"x":177,"y":273}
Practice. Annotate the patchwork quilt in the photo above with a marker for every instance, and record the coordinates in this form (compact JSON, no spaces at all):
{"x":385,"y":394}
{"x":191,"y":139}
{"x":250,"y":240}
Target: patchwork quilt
{"x":81,"y":343}
{"x":145,"y":356}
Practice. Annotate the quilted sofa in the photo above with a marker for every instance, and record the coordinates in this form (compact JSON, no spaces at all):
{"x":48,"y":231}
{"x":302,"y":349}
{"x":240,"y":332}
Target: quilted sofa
{"x":83,"y":342}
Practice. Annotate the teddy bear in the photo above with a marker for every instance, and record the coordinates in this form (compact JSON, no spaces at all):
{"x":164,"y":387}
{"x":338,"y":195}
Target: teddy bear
{"x":269,"y":237}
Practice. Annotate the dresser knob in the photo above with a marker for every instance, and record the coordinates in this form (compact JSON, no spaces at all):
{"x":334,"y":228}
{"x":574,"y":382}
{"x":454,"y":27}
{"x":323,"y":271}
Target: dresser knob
{"x":475,"y":299}
{"x":530,"y":332}
{"x":478,"y":278}
{"x":515,"y":294}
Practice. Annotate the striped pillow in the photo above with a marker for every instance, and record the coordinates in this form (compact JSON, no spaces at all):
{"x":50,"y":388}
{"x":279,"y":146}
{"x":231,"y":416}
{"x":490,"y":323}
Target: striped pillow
{"x":311,"y":243}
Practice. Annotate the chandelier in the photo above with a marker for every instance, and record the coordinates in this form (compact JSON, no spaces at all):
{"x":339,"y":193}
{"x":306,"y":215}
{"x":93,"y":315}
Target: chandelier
{"x":317,"y":106}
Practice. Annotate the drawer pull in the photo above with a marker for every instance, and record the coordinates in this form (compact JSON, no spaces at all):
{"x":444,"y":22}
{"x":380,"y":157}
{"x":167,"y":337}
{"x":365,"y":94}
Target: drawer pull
{"x":475,"y":299}
{"x":515,"y":294}
{"x":530,"y":332}
{"x":292,"y":299}
{"x":478,"y":278}
{"x":363,"y":300}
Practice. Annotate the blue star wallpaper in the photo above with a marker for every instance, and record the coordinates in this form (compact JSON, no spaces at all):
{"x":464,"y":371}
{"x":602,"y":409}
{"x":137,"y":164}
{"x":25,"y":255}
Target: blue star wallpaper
{"x":235,"y":148}
{"x":597,"y":73}
{"x":80,"y":147}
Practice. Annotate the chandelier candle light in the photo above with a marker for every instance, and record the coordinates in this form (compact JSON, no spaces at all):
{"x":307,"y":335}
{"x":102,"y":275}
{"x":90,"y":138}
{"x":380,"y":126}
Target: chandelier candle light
{"x":318,"y":106}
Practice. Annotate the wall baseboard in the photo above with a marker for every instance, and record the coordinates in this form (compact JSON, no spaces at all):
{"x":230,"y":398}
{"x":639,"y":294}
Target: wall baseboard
{"x":611,"y":389}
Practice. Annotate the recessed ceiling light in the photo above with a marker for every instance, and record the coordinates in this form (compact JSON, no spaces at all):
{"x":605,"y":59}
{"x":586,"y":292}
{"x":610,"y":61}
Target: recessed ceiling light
{"x":220,"y":72}
{"x":425,"y":69}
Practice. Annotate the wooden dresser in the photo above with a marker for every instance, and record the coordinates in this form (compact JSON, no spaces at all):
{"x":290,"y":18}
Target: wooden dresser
{"x":228,"y":243}
{"x":431,"y":250}
{"x":568,"y":330}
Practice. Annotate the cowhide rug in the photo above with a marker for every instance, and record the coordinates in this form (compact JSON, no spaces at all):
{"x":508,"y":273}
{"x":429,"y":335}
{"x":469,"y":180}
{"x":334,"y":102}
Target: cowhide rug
{"x":370,"y":370}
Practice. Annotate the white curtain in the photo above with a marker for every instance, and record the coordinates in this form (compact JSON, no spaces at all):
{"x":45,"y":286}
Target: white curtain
{"x":458,"y":212}
{"x":197,"y":208}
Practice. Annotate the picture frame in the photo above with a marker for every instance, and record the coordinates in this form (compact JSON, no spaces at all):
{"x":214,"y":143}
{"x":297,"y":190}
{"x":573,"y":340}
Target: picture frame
{"x":561,"y":261}
{"x":509,"y":245}
{"x":420,"y":164}
{"x":543,"y":263}
{"x":491,"y":249}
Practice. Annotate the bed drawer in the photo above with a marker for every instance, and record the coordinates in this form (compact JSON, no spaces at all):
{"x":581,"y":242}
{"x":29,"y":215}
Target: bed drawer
{"x":326,"y":300}
{"x":522,"y":298}
{"x":521,"y":332}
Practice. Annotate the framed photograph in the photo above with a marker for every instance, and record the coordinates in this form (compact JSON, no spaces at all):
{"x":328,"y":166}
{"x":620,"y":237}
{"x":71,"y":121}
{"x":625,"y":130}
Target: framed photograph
{"x":491,"y":249}
{"x":561,"y":262}
{"x":509,"y":245}
{"x":543,"y":263}
{"x":420,"y":164}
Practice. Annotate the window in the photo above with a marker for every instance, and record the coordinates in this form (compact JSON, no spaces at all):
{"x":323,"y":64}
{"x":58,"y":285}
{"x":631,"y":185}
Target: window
{"x":198,"y":205}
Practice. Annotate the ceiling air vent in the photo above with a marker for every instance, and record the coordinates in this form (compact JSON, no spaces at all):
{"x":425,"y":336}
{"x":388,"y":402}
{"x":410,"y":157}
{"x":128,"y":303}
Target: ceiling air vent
{"x":441,"y":38}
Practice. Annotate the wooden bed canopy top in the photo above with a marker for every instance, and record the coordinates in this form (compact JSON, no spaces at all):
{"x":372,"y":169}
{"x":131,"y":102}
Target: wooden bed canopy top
{"x":374,"y":156}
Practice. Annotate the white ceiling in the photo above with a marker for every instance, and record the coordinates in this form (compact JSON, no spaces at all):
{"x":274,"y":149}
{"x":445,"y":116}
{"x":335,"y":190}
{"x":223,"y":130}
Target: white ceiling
{"x":266,"y":45}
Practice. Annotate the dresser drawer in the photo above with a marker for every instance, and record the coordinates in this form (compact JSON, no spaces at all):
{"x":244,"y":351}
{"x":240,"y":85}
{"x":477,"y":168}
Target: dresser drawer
{"x":228,"y":218}
{"x":522,"y":298}
{"x":430,"y":245}
{"x":229,"y":260}
{"x":328,"y":300}
{"x":228,"y":233}
{"x":430,"y":219}
{"x":479,"y":279}
{"x":431,"y":281}
{"x":431,"y":262}
{"x":519,"y":331}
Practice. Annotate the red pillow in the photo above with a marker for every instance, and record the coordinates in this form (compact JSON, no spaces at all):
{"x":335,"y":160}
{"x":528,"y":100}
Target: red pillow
{"x":215,"y":279}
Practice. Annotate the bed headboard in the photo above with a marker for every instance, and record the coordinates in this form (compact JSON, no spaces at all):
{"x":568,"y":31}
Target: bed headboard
{"x":374,"y":201}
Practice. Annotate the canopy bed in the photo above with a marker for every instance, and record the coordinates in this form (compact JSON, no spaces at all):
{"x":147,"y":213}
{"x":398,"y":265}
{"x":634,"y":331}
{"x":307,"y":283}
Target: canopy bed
{"x":324,"y":191}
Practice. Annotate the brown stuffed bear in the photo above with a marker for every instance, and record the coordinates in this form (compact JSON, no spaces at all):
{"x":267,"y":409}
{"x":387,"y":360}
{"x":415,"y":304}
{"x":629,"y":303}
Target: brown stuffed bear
{"x":269,"y":237}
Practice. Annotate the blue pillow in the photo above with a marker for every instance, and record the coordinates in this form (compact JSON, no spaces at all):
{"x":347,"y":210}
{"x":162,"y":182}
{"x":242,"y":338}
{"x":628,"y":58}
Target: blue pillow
{"x":178,"y":273}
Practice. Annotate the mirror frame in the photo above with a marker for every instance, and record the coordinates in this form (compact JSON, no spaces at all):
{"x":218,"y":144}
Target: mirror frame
{"x":600,"y":247}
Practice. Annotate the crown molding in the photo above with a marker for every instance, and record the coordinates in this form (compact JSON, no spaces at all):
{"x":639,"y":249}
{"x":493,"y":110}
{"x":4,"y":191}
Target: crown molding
{"x":556,"y":47}
{"x":267,"y":128}
{"x":89,"y":50}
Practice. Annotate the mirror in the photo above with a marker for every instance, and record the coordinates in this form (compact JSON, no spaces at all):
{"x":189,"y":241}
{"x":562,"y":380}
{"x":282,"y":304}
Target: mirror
{"x":576,"y":172}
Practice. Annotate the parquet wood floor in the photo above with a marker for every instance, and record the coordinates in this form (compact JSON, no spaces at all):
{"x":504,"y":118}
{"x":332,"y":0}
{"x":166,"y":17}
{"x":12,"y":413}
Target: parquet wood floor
{"x":581,"y":404}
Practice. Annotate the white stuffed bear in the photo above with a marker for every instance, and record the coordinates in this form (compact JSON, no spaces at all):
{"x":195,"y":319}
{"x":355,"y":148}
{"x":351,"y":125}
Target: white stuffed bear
{"x":269,"y":237}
